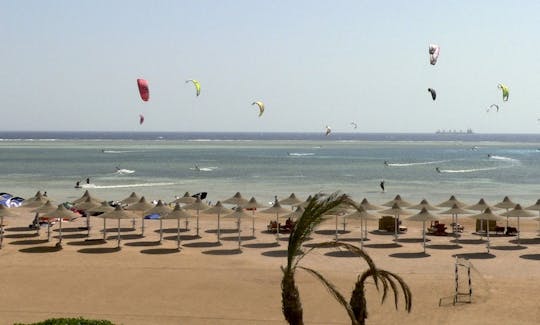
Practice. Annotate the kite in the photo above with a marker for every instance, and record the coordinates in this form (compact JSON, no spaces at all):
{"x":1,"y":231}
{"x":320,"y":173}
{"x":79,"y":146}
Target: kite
{"x":143,"y":89}
{"x":433,"y":93}
{"x":197,"y":85}
{"x":141,"y":119}
{"x":354,"y":125}
{"x":505,"y":91}
{"x":260,"y":105}
{"x":433,"y":53}
{"x":493,"y":106}
{"x":328,"y":130}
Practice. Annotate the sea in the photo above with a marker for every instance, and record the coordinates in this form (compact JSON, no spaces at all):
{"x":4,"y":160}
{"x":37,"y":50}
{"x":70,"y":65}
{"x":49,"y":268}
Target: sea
{"x":165,"y":165}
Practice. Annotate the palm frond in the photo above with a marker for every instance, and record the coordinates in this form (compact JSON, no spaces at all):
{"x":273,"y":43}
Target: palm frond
{"x":333,"y":291}
{"x":407,"y":294}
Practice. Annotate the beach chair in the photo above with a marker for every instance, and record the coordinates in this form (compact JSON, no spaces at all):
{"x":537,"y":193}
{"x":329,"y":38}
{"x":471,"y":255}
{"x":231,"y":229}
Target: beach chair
{"x":438,"y":229}
{"x":387,"y":223}
{"x":491,"y":223}
{"x":272,"y":226}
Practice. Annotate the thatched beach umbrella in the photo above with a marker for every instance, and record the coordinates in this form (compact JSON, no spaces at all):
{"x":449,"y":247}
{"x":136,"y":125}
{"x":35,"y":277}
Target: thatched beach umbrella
{"x":218,"y":209}
{"x":291,"y":200}
{"x":141,"y":206}
{"x":424,"y":215}
{"x":198,"y":205}
{"x":424,"y":204}
{"x":450,"y":203}
{"x":236,"y":199}
{"x":186,"y":199}
{"x":62,"y":213}
{"x":36,"y":201}
{"x":339,"y":210}
{"x":85,"y":196}
{"x":5,"y":213}
{"x":84,"y":206}
{"x":399,"y":201}
{"x":507,"y":204}
{"x":118,"y":213}
{"x":238,"y":214}
{"x":397,"y":211}
{"x":519,"y":213}
{"x":277,"y":210}
{"x":295,"y":214}
{"x":455,"y":210}
{"x":481,"y":205}
{"x":535,"y":207}
{"x":44,"y":208}
{"x":304,"y":203}
{"x":363,"y":215}
{"x":103,"y":207}
{"x":160,"y":209}
{"x":488,"y":216}
{"x":252,"y":205}
{"x":177,"y":213}
{"x":132,"y":198}
{"x":368,"y":207}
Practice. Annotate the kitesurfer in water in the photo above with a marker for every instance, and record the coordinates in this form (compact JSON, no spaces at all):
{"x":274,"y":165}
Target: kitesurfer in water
{"x":382,"y":185}
{"x":87,"y":180}
{"x":438,"y":169}
{"x":386,"y":162}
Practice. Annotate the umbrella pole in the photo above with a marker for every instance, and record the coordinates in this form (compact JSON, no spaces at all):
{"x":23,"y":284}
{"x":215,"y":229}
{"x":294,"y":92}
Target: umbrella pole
{"x":361,"y":233}
{"x":396,"y":218}
{"x":487,"y":231}
{"x":1,"y":230}
{"x":88,"y":225}
{"x":457,"y":233}
{"x":178,"y":234}
{"x":36,"y":218}
{"x":424,"y":234}
{"x":160,"y":229}
{"x":518,"y":233}
{"x":253,"y":224}
{"x":60,"y":238}
{"x":197,"y":222}
{"x":142,"y":227}
{"x":49,"y":230}
{"x":104,"y":229}
{"x":336,"y":228}
{"x":218,"y":227}
{"x":277,"y":228}
{"x":344,"y":224}
{"x":187,"y":222}
{"x":118,"y":234}
{"x":239,"y":237}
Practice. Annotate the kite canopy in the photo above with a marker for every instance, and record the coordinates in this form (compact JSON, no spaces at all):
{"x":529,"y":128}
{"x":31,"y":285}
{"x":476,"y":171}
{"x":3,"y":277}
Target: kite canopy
{"x":505,"y":91}
{"x":433,"y":53}
{"x":433,"y":93}
{"x":141,"y":119}
{"x":143,"y":89}
{"x":493,"y":106}
{"x":260,"y":105}
{"x":328,"y":130}
{"x":354,"y":125}
{"x":196,"y":84}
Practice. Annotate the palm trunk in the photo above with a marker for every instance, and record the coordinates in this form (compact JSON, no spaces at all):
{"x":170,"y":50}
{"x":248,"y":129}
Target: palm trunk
{"x":290,"y":299}
{"x":358,"y":303}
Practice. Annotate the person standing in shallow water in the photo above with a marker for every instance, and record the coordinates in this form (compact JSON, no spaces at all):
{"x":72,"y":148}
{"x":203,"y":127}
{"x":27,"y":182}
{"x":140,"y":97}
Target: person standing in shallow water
{"x":382,"y":185}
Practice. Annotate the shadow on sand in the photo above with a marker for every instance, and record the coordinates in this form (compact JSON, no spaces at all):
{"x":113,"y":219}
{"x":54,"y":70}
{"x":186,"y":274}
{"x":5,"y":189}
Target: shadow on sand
{"x":160,"y":251}
{"x":222,"y":231}
{"x":535,"y":257}
{"x":87,"y":242}
{"x":21,"y":235}
{"x":171,"y":230}
{"x":526,"y":241}
{"x":29,"y":242}
{"x":469,"y":241}
{"x":41,"y":249}
{"x":18,"y":229}
{"x":276,"y":253}
{"x":223,"y":252}
{"x":99,"y":250}
{"x":262,"y":245}
{"x":475,"y":256}
{"x":143,"y":243}
{"x":388,"y":245}
{"x":235,"y":238}
{"x":71,"y":236}
{"x":508,"y":247}
{"x":442,"y":246}
{"x":410,"y":255}
{"x":412,"y":240}
{"x":341,"y":254}
{"x":67,"y":230}
{"x":203,"y":244}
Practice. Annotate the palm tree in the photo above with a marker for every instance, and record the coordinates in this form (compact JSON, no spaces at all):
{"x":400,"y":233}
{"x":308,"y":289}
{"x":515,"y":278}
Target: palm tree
{"x":356,"y":308}
{"x":312,"y":217}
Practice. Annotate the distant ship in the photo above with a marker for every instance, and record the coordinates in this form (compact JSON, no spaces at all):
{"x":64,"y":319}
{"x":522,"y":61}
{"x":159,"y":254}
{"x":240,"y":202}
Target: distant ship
{"x":468,"y":131}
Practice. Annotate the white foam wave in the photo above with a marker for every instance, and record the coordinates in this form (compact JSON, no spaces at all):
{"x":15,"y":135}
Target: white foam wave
{"x":416,"y":163}
{"x":204,"y":169}
{"x":300,"y":154}
{"x":117,"y":151}
{"x":125,"y":185}
{"x":472,"y":170}
{"x":504,"y":158}
{"x":124,"y":171}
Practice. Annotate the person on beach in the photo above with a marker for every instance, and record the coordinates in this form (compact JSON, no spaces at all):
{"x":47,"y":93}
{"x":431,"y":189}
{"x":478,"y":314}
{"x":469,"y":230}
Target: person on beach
{"x":382,"y":185}
{"x":88,"y":180}
{"x":78,"y":184}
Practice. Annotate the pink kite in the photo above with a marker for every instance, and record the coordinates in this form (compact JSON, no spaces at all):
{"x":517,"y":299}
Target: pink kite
{"x":143,"y":89}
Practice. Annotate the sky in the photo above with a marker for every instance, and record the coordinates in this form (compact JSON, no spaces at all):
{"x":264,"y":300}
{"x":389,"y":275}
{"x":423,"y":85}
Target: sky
{"x":73,"y":65}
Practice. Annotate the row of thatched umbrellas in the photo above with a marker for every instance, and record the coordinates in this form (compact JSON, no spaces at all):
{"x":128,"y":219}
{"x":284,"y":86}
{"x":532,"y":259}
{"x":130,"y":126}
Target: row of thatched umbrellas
{"x":138,"y":205}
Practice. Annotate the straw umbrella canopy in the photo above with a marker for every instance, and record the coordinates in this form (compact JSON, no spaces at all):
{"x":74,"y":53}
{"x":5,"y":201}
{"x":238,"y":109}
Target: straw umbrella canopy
{"x":480,"y":206}
{"x":36,"y":201}
{"x":218,"y":209}
{"x":103,"y":207}
{"x":424,"y":204}
{"x":132,"y":198}
{"x":186,"y":199}
{"x":291,"y":200}
{"x":304,"y":203}
{"x":368,"y":206}
{"x":177,"y":213}
{"x":339,"y":210}
{"x":518,"y":212}
{"x":399,"y":201}
{"x":44,"y":208}
{"x":118,"y":213}
{"x":488,"y":216}
{"x":450,"y":203}
{"x":162,"y":210}
{"x":277,"y":210}
{"x":238,"y":214}
{"x":253,"y":205}
{"x":236,"y":199}
{"x":424,"y":215}
{"x":455,"y":210}
{"x":535,"y":207}
{"x":197,"y":205}
{"x":85,"y":196}
{"x":62,"y":213}
{"x":141,"y":206}
{"x":507,"y":204}
{"x":361,"y":214}
{"x":84,"y":206}
{"x":4,"y":212}
{"x":396,"y":210}
{"x":295,"y":214}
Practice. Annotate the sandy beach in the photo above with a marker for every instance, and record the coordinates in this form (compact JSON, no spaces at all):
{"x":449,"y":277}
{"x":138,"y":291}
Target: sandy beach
{"x":205,"y":283}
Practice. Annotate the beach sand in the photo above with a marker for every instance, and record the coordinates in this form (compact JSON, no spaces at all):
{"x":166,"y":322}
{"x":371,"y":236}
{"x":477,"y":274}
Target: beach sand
{"x":145,"y":283}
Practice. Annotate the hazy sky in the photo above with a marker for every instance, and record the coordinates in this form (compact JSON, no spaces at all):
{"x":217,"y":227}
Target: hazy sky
{"x":73,"y":65}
